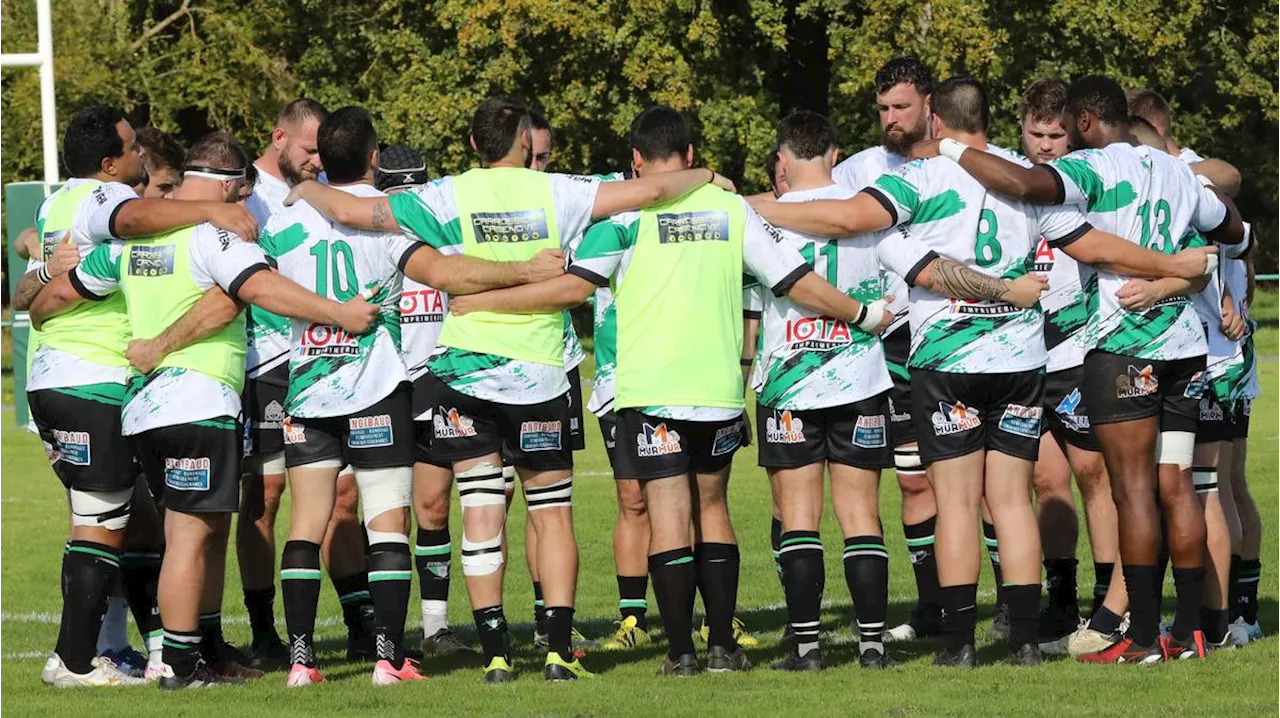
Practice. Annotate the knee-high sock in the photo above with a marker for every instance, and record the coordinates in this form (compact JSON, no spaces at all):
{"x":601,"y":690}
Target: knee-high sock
{"x":89,"y":573}
{"x":433,"y":554}
{"x":717,"y":569}
{"x":300,"y":584}
{"x":866,"y":570}
{"x":390,"y":582}
{"x":675,"y":584}
{"x":803,"y":581}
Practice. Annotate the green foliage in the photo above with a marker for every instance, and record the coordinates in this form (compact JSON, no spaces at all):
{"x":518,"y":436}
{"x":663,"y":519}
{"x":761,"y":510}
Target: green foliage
{"x":421,"y":67}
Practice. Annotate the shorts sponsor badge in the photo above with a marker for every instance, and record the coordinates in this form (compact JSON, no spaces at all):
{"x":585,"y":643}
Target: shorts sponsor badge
{"x":1136,"y":382}
{"x":1211,"y":410}
{"x":71,"y":447}
{"x":783,"y":428}
{"x":727,"y":439}
{"x":369,"y":432}
{"x":187,"y":474}
{"x":1022,"y":420}
{"x":272,"y":415}
{"x":294,"y":433}
{"x":869,"y":432}
{"x":1197,"y":387}
{"x":898,"y":416}
{"x":954,"y":419}
{"x":657,"y":440}
{"x":540,"y":435}
{"x":1066,"y":411}
{"x":449,"y":424}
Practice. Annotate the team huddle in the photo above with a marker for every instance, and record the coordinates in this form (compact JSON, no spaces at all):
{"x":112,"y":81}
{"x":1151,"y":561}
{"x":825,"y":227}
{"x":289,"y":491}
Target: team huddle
{"x":989,"y":324}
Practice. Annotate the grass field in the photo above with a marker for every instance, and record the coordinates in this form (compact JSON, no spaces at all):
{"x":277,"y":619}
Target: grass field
{"x":1236,"y":683}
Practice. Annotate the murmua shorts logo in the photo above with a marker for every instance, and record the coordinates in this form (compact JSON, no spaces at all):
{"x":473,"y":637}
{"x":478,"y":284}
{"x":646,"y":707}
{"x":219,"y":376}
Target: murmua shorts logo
{"x":657,"y":440}
{"x":784,"y":428}
{"x":449,"y":424}
{"x":954,"y":419}
{"x":1136,"y":382}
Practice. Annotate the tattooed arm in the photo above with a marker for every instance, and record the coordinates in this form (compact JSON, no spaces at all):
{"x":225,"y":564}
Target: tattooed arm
{"x":372,"y":213}
{"x":951,"y":279}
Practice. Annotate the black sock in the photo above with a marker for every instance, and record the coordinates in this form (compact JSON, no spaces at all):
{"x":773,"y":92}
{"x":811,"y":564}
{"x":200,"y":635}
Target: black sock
{"x":866,"y":570}
{"x":1105,"y":620}
{"x":803,"y":580}
{"x":1060,"y":584}
{"x":89,"y":573}
{"x":539,"y":610}
{"x":1214,"y":623}
{"x":675,"y":584}
{"x":260,"y":604}
{"x":211,"y":637}
{"x":1102,"y":573}
{"x":140,"y":574}
{"x":300,"y":586}
{"x":560,"y":630}
{"x":923,"y":562}
{"x":390,"y":582}
{"x":959,"y":614}
{"x":993,"y":553}
{"x":432,"y":557}
{"x":1233,"y":589}
{"x":1024,"y":613}
{"x":633,"y":600}
{"x":356,"y":600}
{"x":717,"y":571}
{"x":182,"y":651}
{"x":775,"y":538}
{"x":491,"y":623}
{"x":1189,"y":584}
{"x":1144,"y":604}
{"x":1250,"y":576}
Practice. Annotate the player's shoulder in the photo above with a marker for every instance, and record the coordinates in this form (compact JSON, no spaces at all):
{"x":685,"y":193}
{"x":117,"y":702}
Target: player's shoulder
{"x":1008,"y":154}
{"x":862,"y":168}
{"x":207,"y":235}
{"x":831,"y":191}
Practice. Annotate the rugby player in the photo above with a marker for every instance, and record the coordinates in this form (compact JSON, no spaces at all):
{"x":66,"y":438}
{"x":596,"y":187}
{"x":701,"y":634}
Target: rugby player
{"x":291,"y":157}
{"x":679,"y":406}
{"x":498,"y":378}
{"x":163,"y":157}
{"x":181,"y":419}
{"x":1144,"y":415}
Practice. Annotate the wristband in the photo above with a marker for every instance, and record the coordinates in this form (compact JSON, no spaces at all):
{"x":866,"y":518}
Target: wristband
{"x":871,"y":316}
{"x":951,"y":149}
{"x":368,"y":292}
{"x":746,"y":362}
{"x":42,"y":275}
{"x":1210,"y":264}
{"x":1205,"y":181}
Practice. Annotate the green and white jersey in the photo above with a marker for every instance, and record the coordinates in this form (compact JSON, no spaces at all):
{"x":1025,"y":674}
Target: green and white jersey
{"x":429,"y":213}
{"x":605,"y":315}
{"x":1065,"y":312}
{"x":171,"y":396}
{"x":574,"y":354}
{"x":1231,"y":366}
{"x":858,"y":172}
{"x":605,"y":255}
{"x":331,"y":372}
{"x":422,"y":311}
{"x":90,"y":227}
{"x":954,"y":215}
{"x":1151,"y":199}
{"x":810,"y":361}
{"x":268,"y":333}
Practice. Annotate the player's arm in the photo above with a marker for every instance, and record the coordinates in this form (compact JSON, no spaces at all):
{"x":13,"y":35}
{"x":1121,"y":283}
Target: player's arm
{"x":213,"y":311}
{"x":57,"y":297}
{"x":563,"y":292}
{"x":1038,"y":184}
{"x":458,"y":274}
{"x":647,"y":191}
{"x":1224,"y":175}
{"x":278,"y":294}
{"x":1110,"y":253}
{"x":371,"y":213}
{"x":864,"y":212}
{"x":947,"y":278}
{"x":145,"y":217}
{"x":28,"y":243}
{"x":1230,"y":231}
{"x":65,"y":257}
{"x":1138,"y":295}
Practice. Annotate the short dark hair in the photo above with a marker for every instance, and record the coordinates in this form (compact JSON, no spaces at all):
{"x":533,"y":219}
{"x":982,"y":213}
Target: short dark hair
{"x":806,"y":134}
{"x":301,"y":110}
{"x":1150,"y":106}
{"x":90,"y":138}
{"x":659,"y":132}
{"x":162,"y":149}
{"x":538,"y":121}
{"x":904,"y":69}
{"x":218,"y":150}
{"x":771,"y":164}
{"x":1100,"y":95}
{"x":961,"y":103}
{"x":496,"y":124}
{"x":346,"y":140}
{"x":1045,"y":99}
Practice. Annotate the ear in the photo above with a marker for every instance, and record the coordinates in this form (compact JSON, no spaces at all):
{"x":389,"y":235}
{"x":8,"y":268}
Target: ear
{"x":833,"y":156}
{"x":471,"y":140}
{"x":637,"y":162}
{"x":935,"y":126}
{"x":108,"y":166}
{"x":688,"y":155}
{"x":279,"y":137}
{"x":373,"y":159}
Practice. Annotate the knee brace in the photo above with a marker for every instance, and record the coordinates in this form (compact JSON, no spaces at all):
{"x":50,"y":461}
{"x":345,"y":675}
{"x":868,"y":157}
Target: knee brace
{"x":384,"y":490}
{"x":481,"y":558}
{"x":1176,"y":447}
{"x":103,"y":509}
{"x":481,"y":485}
{"x":548,"y":497}
{"x":906,"y":460}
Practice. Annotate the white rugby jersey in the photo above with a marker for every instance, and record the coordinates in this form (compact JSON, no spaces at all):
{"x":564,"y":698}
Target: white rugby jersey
{"x":1065,"y":311}
{"x":331,"y":372}
{"x":1151,"y":199}
{"x":953,"y":214}
{"x":268,"y":333}
{"x":857,"y":172}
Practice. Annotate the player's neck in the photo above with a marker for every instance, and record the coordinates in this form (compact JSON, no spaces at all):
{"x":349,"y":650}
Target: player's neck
{"x":976,"y":140}
{"x":675,"y":163}
{"x":366,"y":179}
{"x":808,"y":175}
{"x":269,"y":162}
{"x":1111,"y":134}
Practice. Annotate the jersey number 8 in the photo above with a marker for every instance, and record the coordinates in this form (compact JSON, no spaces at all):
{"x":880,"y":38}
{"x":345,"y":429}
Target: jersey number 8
{"x":986,"y":251}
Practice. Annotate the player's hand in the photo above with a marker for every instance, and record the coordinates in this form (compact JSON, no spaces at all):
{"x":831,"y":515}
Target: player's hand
{"x":65,"y":257}
{"x":547,"y":264}
{"x":923,"y":150}
{"x":357,"y":315}
{"x":234,"y":218}
{"x":1233,"y":324}
{"x":722,"y":182}
{"x":1196,"y":262}
{"x":1025,"y":291}
{"x":888,"y":317}
{"x":1138,"y":295}
{"x":144,"y":355}
{"x":747,"y":433}
{"x":463,"y":304}
{"x":298,"y":192}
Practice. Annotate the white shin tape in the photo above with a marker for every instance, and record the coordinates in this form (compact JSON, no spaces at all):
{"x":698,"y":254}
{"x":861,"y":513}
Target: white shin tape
{"x":384,"y":490}
{"x":102,"y":509}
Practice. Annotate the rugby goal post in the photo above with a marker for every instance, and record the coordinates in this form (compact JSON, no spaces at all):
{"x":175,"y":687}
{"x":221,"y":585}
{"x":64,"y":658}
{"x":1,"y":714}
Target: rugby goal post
{"x":23,"y":198}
